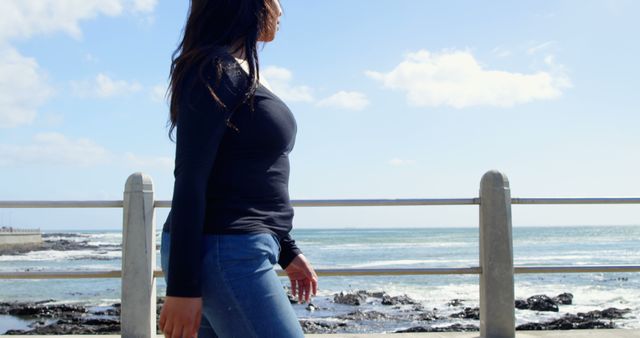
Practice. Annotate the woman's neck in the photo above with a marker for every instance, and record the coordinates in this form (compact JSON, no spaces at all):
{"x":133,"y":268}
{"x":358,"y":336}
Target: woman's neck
{"x":242,"y":61}
{"x":237,"y":50}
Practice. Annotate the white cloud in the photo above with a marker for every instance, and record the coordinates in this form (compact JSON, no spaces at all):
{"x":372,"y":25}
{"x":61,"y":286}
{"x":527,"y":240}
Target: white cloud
{"x":54,"y":149}
{"x":144,"y":6}
{"x":103,"y":87}
{"x":456,"y":79}
{"x":158,"y":92}
{"x":540,"y":47}
{"x":51,"y":119}
{"x":401,"y":162}
{"x":146,"y":162}
{"x":23,"y":88}
{"x":25,"y":18}
{"x":280,"y":81}
{"x":23,"y":85}
{"x":345,"y":100}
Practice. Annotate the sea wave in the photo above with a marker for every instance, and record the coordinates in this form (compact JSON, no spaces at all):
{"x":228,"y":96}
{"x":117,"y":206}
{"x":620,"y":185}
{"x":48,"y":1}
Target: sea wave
{"x":402,"y":262}
{"x":58,"y":256}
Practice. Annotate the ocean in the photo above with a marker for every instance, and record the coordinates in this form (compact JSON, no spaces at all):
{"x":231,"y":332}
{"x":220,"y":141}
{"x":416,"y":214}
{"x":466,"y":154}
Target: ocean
{"x":379,"y":248}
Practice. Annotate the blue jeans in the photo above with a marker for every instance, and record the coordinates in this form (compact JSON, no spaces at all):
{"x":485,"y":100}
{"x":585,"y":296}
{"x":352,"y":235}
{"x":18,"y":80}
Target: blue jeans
{"x":242,"y":295}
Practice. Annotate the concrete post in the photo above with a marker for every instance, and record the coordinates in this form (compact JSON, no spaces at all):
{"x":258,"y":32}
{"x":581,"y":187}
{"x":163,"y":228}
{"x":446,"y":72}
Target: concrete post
{"x":138,"y":311}
{"x":497,"y":304}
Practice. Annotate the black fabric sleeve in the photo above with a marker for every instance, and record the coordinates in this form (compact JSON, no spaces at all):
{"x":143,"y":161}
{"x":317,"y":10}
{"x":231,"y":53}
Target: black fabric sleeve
{"x":200,"y":127}
{"x":288,"y":252}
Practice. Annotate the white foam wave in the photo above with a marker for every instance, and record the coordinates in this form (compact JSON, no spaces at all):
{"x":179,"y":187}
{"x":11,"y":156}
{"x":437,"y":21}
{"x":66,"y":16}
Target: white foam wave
{"x":103,"y":243}
{"x":412,"y":262}
{"x":55,"y":255}
{"x":390,"y":246}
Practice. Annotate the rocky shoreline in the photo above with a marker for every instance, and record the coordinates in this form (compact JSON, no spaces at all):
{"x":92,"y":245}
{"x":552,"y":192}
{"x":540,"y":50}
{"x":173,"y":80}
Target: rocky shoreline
{"x":50,"y":242}
{"x":48,"y":318}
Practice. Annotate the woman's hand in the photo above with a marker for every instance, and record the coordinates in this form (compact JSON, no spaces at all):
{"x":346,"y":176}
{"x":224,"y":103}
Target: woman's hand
{"x":304,"y":280}
{"x":180,"y":317}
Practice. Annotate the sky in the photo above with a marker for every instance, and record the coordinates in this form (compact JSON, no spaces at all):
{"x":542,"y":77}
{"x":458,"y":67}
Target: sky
{"x":392,"y":99}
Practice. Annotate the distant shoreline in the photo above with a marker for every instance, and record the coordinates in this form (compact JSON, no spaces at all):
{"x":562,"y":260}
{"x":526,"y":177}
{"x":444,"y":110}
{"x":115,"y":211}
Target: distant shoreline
{"x":515,"y":226}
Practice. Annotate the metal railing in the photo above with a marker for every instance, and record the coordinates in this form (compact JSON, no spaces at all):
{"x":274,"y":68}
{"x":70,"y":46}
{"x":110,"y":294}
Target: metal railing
{"x":496,"y":270}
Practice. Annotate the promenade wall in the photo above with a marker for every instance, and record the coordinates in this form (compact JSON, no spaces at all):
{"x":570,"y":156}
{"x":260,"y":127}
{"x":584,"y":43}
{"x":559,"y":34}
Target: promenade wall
{"x":19,"y":238}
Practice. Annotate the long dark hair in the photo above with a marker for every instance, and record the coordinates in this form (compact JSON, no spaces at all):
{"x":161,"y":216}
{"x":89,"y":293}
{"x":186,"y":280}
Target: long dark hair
{"x":214,"y":25}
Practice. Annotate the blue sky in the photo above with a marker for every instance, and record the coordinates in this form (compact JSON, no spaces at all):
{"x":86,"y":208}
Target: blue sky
{"x":402,"y":99}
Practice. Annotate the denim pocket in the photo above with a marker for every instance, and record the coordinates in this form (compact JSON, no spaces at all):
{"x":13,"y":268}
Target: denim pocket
{"x":277,"y":253}
{"x":277,"y":240}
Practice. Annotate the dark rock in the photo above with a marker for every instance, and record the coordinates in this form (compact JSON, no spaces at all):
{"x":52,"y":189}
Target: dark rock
{"x":375,"y":294}
{"x":45,"y":311}
{"x":63,"y":318}
{"x":564,"y":298}
{"x":58,"y":245}
{"x":404,"y":299}
{"x":425,"y":316}
{"x":349,"y":298}
{"x":522,"y":304}
{"x":467,"y":313}
{"x":65,"y":245}
{"x":537,"y":303}
{"x":62,"y":234}
{"x":312,"y":326}
{"x":114,"y":309}
{"x":37,"y":323}
{"x":110,"y":312}
{"x":73,"y":326}
{"x":418,"y":307}
{"x":455,"y":302}
{"x":362,"y":315}
{"x":609,"y":313}
{"x":450,"y":328}
{"x":589,"y":320}
{"x":567,"y":322}
{"x":292,"y":299}
{"x":542,"y":303}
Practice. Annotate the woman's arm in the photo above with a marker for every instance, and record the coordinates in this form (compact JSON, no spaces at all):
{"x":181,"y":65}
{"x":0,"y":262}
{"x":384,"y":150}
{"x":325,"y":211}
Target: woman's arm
{"x":303,"y":278}
{"x":289,"y":251}
{"x":200,"y":127}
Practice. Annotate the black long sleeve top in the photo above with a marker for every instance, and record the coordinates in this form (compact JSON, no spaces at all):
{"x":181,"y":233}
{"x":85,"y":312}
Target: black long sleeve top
{"x":231,"y":170}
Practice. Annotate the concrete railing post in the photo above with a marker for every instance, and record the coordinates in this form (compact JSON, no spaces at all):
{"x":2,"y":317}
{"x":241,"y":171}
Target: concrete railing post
{"x":138,"y":309}
{"x":497,"y":308}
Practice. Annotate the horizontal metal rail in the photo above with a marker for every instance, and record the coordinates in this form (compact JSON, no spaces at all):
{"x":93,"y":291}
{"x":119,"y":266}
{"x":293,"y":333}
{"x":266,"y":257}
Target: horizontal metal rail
{"x":365,"y":202}
{"x":61,"y":274}
{"x":397,"y":272}
{"x":572,"y":200}
{"x":342,"y":272}
{"x":61,"y":204}
{"x":576,"y":269}
{"x":339,"y":202}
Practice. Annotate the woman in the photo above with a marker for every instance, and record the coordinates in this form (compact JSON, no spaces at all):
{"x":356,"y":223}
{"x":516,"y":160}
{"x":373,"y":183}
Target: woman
{"x":230,"y":215}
